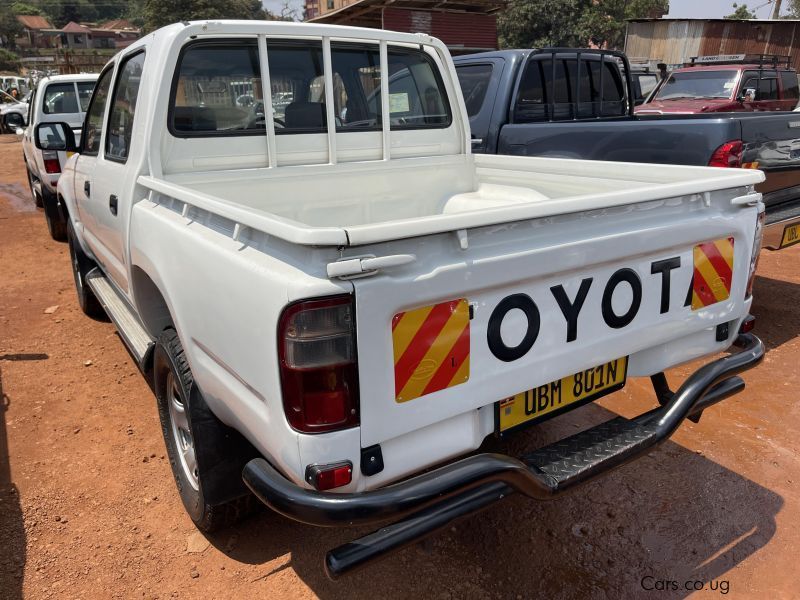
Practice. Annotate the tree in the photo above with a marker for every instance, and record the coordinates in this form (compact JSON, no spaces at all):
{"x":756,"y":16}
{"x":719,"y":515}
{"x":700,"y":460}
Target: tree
{"x":8,"y":60}
{"x":741,"y":12}
{"x":158,"y":13}
{"x":537,"y":23}
{"x":793,"y":10}
{"x":604,"y":22}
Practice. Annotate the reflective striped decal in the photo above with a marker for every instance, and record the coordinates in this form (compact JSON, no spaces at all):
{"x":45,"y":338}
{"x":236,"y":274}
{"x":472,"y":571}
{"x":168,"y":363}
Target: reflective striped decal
{"x":431,"y":349}
{"x":713,"y":272}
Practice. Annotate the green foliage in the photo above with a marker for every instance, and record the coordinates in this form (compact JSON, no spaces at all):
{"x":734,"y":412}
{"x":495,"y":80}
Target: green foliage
{"x":21,"y":8}
{"x":158,"y":13}
{"x":8,"y":60}
{"x":741,"y":12}
{"x":793,"y":9}
{"x":10,"y":28}
{"x":538,"y":23}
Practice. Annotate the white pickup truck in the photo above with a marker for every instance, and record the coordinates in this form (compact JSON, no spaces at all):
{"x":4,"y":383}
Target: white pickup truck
{"x":62,"y":99}
{"x":333,"y":296}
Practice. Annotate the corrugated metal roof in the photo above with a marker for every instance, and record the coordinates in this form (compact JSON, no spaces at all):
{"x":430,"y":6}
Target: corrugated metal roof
{"x":457,"y":30}
{"x":676,"y":41}
{"x":34,"y":22}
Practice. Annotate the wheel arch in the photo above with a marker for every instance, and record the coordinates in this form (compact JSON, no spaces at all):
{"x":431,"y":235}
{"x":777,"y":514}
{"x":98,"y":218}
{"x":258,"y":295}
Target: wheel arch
{"x":151,"y":302}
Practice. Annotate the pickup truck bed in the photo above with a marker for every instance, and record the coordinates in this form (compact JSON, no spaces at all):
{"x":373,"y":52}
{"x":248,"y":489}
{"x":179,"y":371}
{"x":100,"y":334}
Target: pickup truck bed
{"x":769,"y":142}
{"x":445,"y":194}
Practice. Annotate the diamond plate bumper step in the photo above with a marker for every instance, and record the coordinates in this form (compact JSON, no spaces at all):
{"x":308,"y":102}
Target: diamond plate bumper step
{"x":430,"y":501}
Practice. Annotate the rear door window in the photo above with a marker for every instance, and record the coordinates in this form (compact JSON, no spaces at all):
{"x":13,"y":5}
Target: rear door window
{"x":85,"y":89}
{"x":790,"y":86}
{"x":474,"y":81}
{"x":768,"y":86}
{"x":59,"y":98}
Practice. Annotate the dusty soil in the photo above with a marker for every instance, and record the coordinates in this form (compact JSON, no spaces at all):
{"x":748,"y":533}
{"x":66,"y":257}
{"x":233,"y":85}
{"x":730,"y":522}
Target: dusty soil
{"x":88,"y":507}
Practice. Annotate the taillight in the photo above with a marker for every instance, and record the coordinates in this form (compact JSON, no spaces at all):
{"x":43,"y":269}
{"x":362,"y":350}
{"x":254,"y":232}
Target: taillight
{"x":319,"y":371}
{"x":756,"y":253}
{"x":728,"y":155}
{"x":51,"y":163}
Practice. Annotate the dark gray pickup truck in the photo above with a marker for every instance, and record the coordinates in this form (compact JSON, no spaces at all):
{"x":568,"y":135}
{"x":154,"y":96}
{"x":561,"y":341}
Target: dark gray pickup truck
{"x":515,"y":108}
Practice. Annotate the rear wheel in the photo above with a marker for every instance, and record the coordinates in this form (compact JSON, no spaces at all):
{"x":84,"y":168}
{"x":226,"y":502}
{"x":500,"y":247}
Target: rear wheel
{"x":35,"y":195}
{"x":56,"y":223}
{"x":205,"y":455}
{"x":81,"y":265}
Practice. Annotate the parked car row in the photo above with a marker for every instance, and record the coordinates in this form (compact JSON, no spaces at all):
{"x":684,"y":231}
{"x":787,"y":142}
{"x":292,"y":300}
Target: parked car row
{"x":344,"y":260}
{"x":550,"y":103}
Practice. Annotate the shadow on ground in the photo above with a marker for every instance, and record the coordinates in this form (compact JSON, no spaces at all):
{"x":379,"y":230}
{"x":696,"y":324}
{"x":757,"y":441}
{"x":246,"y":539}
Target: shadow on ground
{"x":775,"y":305}
{"x":673,"y":515}
{"x":12,"y":527}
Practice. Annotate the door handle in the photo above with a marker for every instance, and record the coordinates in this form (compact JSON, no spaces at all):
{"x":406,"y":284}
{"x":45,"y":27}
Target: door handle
{"x":112,"y":204}
{"x":87,"y":188}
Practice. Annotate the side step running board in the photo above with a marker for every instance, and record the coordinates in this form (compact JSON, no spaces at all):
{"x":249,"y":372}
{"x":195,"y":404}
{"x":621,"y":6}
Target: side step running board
{"x":127,"y":323}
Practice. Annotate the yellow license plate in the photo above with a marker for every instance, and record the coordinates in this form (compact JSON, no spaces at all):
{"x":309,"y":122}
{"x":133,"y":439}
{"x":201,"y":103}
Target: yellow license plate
{"x":556,"y":397}
{"x":791,"y":235}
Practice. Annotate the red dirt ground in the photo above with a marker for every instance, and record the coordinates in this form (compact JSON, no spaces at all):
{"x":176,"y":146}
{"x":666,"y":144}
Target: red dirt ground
{"x":88,"y":508}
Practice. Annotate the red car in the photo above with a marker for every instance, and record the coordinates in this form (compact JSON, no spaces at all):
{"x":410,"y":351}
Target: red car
{"x":726,"y":84}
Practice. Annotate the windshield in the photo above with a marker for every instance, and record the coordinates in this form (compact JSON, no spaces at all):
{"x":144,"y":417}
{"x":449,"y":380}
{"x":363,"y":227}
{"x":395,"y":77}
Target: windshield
{"x":698,"y":84}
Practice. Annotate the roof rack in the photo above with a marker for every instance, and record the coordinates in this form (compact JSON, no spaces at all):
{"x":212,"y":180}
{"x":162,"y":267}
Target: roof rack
{"x":762,"y":60}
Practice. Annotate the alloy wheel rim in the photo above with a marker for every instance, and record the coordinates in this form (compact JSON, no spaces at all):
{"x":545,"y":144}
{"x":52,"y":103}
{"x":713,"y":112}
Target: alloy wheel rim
{"x":181,"y":434}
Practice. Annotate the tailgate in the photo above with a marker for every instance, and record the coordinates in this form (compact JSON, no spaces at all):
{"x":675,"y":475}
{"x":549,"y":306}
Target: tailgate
{"x":529,"y":302}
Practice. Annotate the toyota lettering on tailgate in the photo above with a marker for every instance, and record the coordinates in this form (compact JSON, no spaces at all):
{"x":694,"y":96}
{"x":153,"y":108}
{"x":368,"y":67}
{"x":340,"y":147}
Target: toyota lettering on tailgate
{"x":431,"y":344}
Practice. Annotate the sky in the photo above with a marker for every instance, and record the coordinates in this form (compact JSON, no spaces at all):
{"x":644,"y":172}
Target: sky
{"x":681,"y":9}
{"x":710,"y":9}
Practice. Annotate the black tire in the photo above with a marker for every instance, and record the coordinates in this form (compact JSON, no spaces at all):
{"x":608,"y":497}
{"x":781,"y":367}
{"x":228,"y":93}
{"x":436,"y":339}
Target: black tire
{"x":12,"y":127}
{"x":81,"y":265}
{"x":37,"y":199}
{"x":210,"y":485}
{"x":56,"y":221}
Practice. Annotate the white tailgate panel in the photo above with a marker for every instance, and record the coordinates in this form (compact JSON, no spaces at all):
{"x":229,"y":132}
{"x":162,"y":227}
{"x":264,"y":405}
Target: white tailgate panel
{"x":530,"y":257}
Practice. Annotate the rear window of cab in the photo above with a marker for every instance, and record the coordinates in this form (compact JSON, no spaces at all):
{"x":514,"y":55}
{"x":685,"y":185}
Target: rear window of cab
{"x":217,"y":89}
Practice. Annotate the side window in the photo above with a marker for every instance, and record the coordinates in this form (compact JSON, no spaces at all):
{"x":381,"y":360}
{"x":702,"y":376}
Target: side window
{"x":749,"y":82}
{"x":60,"y":98}
{"x":85,"y":89}
{"x":474,"y":81}
{"x":31,"y":104}
{"x":93,"y":126}
{"x":647,"y":83}
{"x":768,"y":86}
{"x":217,"y":90}
{"x":791,"y":91}
{"x":123,"y":108}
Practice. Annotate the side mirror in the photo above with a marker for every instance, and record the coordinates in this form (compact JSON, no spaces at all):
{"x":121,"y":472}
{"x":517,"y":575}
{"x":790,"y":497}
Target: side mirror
{"x":20,"y":132}
{"x":54,"y":136}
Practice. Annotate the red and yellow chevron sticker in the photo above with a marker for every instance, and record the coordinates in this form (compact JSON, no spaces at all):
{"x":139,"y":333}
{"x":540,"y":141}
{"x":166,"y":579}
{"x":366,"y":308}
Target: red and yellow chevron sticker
{"x":431,"y":349}
{"x":713,"y":272}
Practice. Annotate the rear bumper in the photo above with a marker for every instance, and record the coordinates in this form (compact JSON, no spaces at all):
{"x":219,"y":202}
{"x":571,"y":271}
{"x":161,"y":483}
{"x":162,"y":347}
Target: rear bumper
{"x":778,"y":218}
{"x":428,"y":502}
